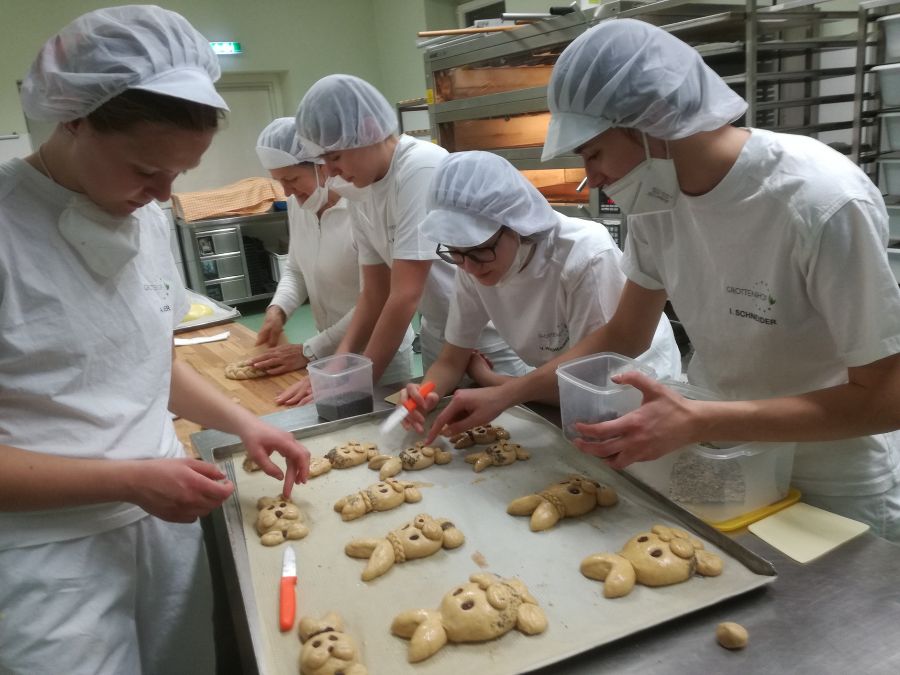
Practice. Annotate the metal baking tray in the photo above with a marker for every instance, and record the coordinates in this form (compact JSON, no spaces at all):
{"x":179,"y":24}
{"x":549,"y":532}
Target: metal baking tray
{"x":580,"y":618}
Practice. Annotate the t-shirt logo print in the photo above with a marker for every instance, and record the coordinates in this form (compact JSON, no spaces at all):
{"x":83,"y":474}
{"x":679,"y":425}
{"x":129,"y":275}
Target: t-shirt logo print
{"x":555,"y":340}
{"x":763,"y":302}
{"x":163,"y":290}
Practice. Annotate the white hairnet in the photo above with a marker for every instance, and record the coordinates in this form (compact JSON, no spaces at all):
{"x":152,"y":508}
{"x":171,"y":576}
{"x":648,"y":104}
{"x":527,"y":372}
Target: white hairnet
{"x":473,"y":194}
{"x":278,"y":145}
{"x":102,"y":53}
{"x":627,"y":73}
{"x":340,"y":112}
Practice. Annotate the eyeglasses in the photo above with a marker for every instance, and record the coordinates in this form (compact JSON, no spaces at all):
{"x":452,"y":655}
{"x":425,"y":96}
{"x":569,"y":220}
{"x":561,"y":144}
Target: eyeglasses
{"x":480,"y":254}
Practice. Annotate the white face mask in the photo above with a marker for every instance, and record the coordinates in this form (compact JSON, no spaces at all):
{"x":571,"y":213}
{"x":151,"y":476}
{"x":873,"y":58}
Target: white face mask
{"x":650,"y":187}
{"x":526,"y":248}
{"x":347,"y":189}
{"x":318,"y":198}
{"x":104,"y":242}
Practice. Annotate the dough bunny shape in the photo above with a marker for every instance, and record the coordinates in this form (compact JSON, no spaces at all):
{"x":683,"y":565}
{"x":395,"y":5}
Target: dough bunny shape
{"x":344,"y":456}
{"x":502,"y":453}
{"x":419,"y":538}
{"x":485,"y":608}
{"x":383,"y":496}
{"x":575,"y":496}
{"x":416,"y":458}
{"x":327,"y":649}
{"x":479,"y":435}
{"x":279,"y":519}
{"x":663,"y":556}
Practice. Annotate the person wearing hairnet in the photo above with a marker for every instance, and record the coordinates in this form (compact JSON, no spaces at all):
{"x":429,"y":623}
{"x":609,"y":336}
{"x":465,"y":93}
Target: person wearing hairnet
{"x":102,"y":564}
{"x":771,"y":248}
{"x":348,"y":123}
{"x":321,"y":264}
{"x":544,"y":279}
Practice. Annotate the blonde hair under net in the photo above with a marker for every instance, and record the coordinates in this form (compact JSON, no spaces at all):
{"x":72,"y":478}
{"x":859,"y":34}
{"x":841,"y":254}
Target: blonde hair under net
{"x":473,"y":194}
{"x":102,"y":53}
{"x":340,"y":112}
{"x":628,"y":73}
{"x":278,"y":145}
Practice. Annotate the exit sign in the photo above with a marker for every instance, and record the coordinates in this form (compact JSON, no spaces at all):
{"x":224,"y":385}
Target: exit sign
{"x":226,"y":47}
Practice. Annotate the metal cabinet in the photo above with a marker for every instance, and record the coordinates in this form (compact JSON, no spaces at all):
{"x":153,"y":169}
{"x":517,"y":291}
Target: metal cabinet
{"x":216,"y":261}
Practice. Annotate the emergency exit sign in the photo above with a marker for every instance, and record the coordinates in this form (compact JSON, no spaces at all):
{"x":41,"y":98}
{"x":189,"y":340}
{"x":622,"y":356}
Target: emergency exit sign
{"x":226,"y":47}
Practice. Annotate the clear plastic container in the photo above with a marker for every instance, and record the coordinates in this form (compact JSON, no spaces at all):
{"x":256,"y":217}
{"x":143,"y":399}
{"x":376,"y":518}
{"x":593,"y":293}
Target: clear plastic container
{"x":342,"y":386}
{"x":889,"y":83}
{"x":719,"y":481}
{"x":891,"y":26}
{"x":890,"y":176}
{"x":586,"y":393}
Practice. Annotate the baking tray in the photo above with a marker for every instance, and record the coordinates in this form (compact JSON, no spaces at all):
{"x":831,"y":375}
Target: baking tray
{"x":222,"y":313}
{"x":580,"y":618}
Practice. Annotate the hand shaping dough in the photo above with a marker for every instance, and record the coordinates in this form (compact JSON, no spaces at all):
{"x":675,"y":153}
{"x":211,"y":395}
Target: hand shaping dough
{"x":483,"y":609}
{"x":481,"y":435}
{"x":569,"y":498}
{"x":663,"y":556}
{"x":344,"y":456}
{"x":327,"y":649}
{"x":419,"y":456}
{"x":279,"y":519}
{"x":502,"y":453}
{"x":419,"y":538}
{"x":242,"y":370}
{"x":383,"y":496}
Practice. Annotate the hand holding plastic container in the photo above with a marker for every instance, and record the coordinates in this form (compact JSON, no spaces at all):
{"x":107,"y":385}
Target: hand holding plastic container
{"x":342,"y":386}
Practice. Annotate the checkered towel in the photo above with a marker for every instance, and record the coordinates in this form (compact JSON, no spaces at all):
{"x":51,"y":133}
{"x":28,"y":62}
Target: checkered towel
{"x":246,"y":197}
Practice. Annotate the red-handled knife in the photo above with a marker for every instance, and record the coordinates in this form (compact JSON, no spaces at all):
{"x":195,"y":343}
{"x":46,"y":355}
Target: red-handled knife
{"x":287,"y":601}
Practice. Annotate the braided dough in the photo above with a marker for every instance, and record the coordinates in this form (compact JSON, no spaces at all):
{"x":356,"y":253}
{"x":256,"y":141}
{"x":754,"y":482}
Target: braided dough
{"x":419,"y":538}
{"x":242,"y":370}
{"x":383,"y":496}
{"x":663,"y":556}
{"x":575,"y":496}
{"x":485,"y":608}
{"x":327,"y":649}
{"x":479,"y":435}
{"x":344,"y":456}
{"x":416,"y":458}
{"x":502,"y":453}
{"x":279,"y":519}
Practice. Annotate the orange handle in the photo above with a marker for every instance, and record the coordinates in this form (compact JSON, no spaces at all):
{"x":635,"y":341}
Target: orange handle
{"x":424,"y":390}
{"x":287,"y":603}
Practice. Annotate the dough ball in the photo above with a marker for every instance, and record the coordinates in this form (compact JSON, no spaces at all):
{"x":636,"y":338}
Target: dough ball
{"x":731,"y":635}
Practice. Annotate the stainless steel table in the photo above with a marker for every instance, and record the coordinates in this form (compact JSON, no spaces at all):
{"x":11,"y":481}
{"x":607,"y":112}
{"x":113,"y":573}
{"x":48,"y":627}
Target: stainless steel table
{"x":838,"y":614}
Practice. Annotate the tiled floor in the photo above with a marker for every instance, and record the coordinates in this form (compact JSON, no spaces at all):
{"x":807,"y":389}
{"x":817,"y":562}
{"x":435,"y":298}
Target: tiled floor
{"x":299,"y":326}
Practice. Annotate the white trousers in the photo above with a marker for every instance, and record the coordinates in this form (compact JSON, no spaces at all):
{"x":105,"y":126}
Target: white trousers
{"x":505,"y":360}
{"x":132,"y":601}
{"x":400,"y":369}
{"x":880,"y":511}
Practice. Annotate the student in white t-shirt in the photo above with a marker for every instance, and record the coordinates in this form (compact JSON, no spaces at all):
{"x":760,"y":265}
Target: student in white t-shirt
{"x":321,"y":265}
{"x":771,"y":248}
{"x":348,"y":123}
{"x":102,"y":564}
{"x":544,"y":279}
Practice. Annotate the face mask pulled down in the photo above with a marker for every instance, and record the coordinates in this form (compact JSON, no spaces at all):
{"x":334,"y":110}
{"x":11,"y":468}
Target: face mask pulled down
{"x":650,"y":187}
{"x":347,"y":189}
{"x":317,"y":197}
{"x":105,"y":243}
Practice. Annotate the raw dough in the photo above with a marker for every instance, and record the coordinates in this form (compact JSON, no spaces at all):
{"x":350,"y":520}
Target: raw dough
{"x":383,"y":496}
{"x":242,"y":370}
{"x":731,"y":635}
{"x":250,"y":466}
{"x":485,"y":608}
{"x":663,"y":556}
{"x":419,"y":538}
{"x":569,"y":498}
{"x":416,"y":458}
{"x":327,"y":649}
{"x":350,"y":454}
{"x":279,"y":519}
{"x":502,"y":453}
{"x":483,"y":435}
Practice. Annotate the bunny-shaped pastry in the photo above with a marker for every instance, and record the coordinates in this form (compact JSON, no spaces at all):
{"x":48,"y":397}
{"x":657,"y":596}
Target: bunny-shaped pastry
{"x":419,"y":456}
{"x":279,"y":519}
{"x":344,"y":456}
{"x":502,"y":453}
{"x":569,"y":498}
{"x":327,"y":649}
{"x":418,"y":538}
{"x":482,"y":435}
{"x":663,"y":556}
{"x":383,"y":496}
{"x":483,"y":609}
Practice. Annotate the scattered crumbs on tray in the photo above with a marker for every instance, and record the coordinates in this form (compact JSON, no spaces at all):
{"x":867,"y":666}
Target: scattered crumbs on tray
{"x":479,"y":479}
{"x":479,"y":559}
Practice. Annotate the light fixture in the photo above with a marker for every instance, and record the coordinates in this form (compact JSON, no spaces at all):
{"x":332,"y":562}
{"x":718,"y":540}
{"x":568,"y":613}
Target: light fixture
{"x":226,"y":47}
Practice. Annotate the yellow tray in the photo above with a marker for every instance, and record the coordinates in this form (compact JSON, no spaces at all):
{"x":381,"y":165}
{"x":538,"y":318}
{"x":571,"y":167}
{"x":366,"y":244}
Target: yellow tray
{"x":745,"y":519}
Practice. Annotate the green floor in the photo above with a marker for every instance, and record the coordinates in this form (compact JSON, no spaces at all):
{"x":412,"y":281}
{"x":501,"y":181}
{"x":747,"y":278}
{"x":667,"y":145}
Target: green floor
{"x":300,"y":326}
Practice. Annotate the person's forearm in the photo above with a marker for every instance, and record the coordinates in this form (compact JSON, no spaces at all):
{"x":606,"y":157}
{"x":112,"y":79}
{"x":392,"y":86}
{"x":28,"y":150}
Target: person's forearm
{"x":448,"y":370}
{"x":361,"y":325}
{"x":389,"y":331}
{"x":34,"y":481}
{"x":197,"y":400}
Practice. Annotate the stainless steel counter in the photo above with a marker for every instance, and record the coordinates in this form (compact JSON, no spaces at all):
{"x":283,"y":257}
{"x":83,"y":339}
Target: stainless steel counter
{"x":838,"y":614}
